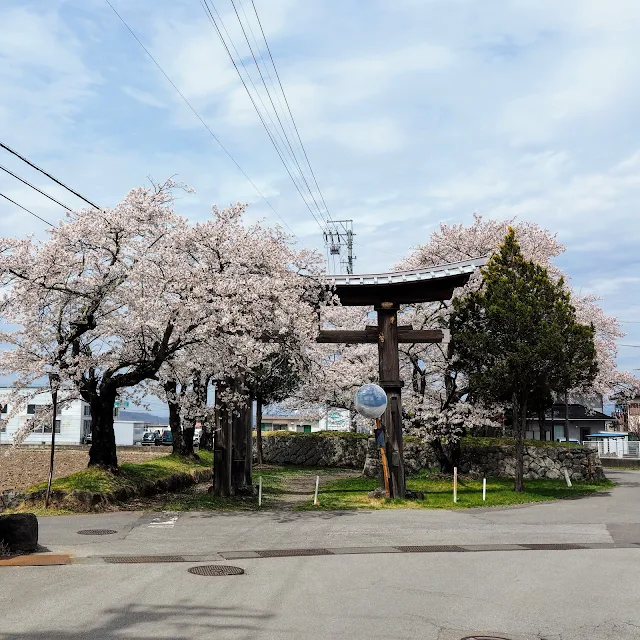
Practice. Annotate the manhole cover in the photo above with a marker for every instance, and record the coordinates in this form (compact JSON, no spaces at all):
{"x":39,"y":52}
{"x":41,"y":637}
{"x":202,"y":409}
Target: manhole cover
{"x":96,"y":532}
{"x":216,"y":570}
{"x":139,"y":559}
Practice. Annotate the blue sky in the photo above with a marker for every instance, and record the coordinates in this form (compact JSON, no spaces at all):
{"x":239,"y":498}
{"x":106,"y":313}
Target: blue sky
{"x":413,"y":112}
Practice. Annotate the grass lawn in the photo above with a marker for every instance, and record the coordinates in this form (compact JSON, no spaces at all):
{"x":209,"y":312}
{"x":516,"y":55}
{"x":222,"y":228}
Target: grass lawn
{"x":274,"y":481}
{"x":130,"y":474}
{"x":351,"y":493}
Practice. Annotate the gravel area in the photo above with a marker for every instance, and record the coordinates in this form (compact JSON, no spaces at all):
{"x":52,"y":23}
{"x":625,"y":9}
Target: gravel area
{"x":27,"y":466}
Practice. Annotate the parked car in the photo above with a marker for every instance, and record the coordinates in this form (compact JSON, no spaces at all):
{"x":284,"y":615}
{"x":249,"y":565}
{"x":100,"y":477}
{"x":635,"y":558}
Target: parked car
{"x":87,"y":439}
{"x":196,"y":439}
{"x":165,"y":439}
{"x":149,"y":438}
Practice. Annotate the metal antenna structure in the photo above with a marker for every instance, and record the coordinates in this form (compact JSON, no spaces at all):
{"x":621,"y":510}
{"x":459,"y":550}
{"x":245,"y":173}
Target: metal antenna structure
{"x":338,"y":240}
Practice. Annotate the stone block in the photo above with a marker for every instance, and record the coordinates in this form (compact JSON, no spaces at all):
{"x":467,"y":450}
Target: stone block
{"x":19,"y":532}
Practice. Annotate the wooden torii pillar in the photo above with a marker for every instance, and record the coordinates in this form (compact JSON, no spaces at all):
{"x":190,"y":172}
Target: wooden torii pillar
{"x":386,"y":292}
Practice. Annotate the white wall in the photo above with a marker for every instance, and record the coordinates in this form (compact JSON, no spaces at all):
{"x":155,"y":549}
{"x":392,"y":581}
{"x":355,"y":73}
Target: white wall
{"x":71,"y":419}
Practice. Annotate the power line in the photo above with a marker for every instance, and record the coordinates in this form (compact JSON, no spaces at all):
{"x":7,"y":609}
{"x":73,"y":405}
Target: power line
{"x":253,"y":55}
{"x":37,"y":168}
{"x":255,"y":106}
{"x":264,"y":37}
{"x":629,"y":321}
{"x":35,"y":188}
{"x":209,"y":15}
{"x":204,"y":124}
{"x":35,"y":215}
{"x":636,"y":346}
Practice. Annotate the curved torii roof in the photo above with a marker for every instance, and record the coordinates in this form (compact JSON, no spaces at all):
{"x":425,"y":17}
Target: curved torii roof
{"x":427,"y":284}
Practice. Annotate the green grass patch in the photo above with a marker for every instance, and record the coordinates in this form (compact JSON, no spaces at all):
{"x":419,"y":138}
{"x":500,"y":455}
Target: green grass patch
{"x":473,"y":441}
{"x":351,"y":493}
{"x":129,"y":474}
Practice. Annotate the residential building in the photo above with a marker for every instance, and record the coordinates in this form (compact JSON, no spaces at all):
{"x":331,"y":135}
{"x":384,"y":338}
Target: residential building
{"x":72,"y":426}
{"x":583,"y":421}
{"x":275,"y":419}
{"x":627,"y":414}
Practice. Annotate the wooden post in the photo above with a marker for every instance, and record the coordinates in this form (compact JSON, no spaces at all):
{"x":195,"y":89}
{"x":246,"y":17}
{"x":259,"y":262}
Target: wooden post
{"x":389,"y":370}
{"x":566,"y":416}
{"x":248,"y":457}
{"x":222,"y":448}
{"x":53,"y":383}
{"x":455,"y":484}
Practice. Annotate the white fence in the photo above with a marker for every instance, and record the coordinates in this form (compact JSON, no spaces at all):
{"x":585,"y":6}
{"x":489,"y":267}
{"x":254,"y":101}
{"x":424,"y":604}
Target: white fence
{"x":616,"y":448}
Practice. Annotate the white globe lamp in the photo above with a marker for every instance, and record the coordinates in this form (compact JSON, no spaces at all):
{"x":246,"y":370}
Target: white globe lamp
{"x":371,"y":401}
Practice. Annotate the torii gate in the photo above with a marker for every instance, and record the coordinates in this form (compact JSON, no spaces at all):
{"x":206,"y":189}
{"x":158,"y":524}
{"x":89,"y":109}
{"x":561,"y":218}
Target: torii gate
{"x":386,"y":292}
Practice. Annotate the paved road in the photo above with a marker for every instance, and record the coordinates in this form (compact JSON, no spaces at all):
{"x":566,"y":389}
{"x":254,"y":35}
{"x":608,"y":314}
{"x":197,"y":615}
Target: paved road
{"x":522,"y":595}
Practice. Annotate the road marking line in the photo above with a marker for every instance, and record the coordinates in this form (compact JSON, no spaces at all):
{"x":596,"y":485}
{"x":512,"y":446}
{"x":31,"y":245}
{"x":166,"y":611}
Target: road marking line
{"x":157,"y":523}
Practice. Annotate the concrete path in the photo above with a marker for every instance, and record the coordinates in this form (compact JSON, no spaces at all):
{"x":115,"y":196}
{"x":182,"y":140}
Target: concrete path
{"x":520,"y":595}
{"x":606,"y":517}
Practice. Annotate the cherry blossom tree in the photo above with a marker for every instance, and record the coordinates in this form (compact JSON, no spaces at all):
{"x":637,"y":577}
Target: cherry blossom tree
{"x":434,"y":397}
{"x":112,"y":295}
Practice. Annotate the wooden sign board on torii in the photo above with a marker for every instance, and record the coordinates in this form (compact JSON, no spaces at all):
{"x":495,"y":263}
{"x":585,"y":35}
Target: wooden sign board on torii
{"x":386,"y":292}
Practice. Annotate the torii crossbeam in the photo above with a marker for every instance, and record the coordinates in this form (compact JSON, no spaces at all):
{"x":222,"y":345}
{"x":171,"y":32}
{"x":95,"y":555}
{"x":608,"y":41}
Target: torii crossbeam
{"x":386,"y":292}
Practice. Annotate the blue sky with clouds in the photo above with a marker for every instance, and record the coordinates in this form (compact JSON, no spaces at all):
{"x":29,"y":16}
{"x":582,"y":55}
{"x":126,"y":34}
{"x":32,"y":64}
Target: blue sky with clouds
{"x":413,"y":112}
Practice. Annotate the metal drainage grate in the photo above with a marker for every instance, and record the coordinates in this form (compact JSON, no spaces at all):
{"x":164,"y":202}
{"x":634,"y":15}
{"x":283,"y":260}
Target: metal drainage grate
{"x":142,"y":559}
{"x":286,"y":553}
{"x":96,"y":532}
{"x":430,"y":548}
{"x":484,"y":638}
{"x":552,"y":547}
{"x":216,"y":570}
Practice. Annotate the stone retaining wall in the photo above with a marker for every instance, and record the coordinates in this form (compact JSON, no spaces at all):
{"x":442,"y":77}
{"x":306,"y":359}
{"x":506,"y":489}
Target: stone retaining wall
{"x":582,"y":463}
{"x":318,"y":450}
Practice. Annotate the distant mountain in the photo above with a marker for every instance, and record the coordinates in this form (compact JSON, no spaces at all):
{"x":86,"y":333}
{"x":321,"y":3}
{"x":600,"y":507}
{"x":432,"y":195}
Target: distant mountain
{"x":141,"y":416}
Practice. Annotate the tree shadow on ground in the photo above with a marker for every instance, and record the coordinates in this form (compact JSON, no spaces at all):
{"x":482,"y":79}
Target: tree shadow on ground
{"x":147,"y":622}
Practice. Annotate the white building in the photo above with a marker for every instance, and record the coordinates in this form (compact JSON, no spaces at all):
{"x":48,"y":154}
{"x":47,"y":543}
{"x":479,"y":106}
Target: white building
{"x":72,"y":425}
{"x":331,"y":420}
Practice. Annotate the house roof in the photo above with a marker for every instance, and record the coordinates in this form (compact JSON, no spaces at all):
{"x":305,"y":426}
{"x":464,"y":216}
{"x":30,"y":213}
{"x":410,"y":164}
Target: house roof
{"x":426,"y":284}
{"x":576,"y":412}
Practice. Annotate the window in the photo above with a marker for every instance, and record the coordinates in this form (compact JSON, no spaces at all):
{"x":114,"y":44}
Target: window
{"x":31,"y":409}
{"x":87,"y":410}
{"x":3,"y":426}
{"x":4,"y":408}
{"x":86,"y":426}
{"x":47,"y":428}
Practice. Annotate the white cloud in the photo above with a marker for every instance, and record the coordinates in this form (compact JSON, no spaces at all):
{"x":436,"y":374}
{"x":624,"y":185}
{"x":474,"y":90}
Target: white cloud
{"x":143,"y":96}
{"x":411,"y":112}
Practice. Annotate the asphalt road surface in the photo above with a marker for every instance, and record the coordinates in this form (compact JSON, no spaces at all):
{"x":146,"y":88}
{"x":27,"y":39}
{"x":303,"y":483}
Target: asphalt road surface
{"x":364,"y":586}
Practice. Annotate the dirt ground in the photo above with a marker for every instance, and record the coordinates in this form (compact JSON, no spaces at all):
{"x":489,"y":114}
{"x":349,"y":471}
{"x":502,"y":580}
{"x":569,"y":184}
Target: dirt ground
{"x":27,"y":466}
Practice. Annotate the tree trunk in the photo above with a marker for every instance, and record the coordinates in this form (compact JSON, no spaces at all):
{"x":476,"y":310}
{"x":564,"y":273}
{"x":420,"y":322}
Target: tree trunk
{"x":187,"y":449}
{"x":206,"y":438}
{"x":259,"y":428}
{"x":353,"y":425}
{"x":519,"y":424}
{"x":542,"y":424}
{"x":448,"y":457}
{"x":103,"y":443}
{"x":170,"y":388}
